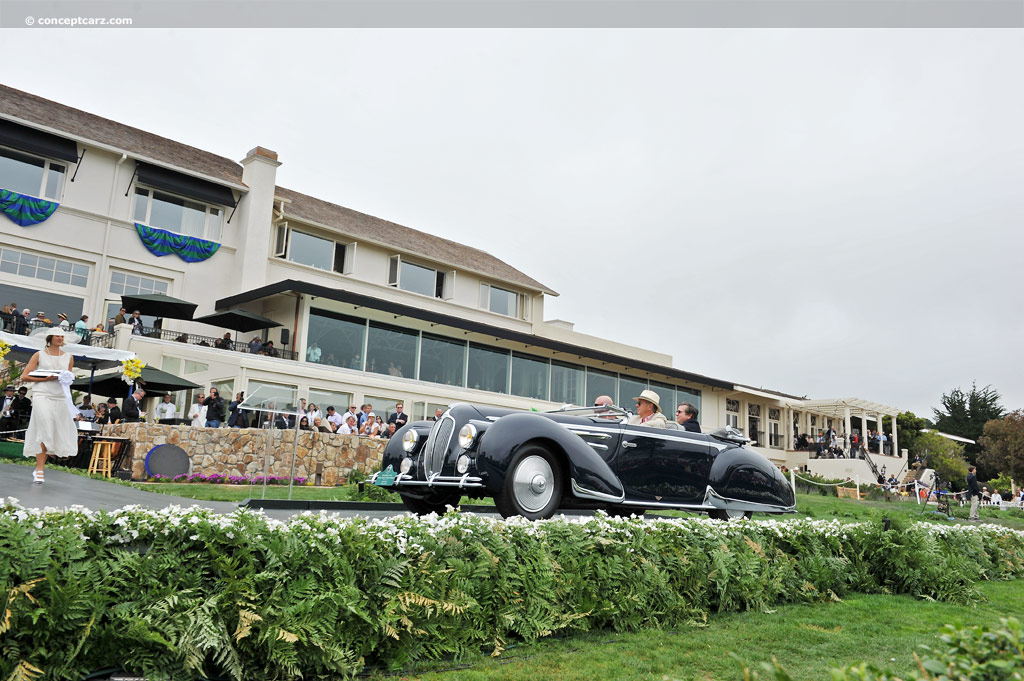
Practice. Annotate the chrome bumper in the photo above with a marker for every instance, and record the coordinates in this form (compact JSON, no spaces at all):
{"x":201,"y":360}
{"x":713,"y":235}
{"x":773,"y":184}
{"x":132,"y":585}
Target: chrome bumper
{"x":435,"y":480}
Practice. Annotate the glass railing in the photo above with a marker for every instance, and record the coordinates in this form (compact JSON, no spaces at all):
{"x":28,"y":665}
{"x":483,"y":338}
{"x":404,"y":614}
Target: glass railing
{"x":217,"y":343}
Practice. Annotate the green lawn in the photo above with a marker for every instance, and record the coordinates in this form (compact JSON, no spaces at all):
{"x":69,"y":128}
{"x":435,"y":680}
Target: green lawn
{"x":806,"y":639}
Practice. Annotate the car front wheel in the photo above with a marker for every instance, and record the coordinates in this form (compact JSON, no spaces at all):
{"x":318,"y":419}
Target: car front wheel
{"x":435,"y":503}
{"x":730,"y":515}
{"x":533,"y":485}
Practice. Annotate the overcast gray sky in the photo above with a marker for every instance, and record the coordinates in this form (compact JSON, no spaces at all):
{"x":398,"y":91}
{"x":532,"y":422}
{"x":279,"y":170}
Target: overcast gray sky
{"x":824,"y":212}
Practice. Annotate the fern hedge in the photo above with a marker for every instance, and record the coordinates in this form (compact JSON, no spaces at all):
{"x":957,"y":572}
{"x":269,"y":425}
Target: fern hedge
{"x":186,"y":593}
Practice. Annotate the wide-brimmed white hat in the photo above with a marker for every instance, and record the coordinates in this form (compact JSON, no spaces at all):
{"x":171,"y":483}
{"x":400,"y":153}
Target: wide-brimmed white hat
{"x":651,"y":397}
{"x":69,"y":336}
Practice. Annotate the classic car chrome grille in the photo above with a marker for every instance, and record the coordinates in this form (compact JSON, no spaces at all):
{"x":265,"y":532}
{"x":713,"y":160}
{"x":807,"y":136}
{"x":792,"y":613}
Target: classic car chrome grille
{"x":436,"y":446}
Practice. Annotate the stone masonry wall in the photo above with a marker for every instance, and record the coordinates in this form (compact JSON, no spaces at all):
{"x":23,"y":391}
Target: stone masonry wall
{"x":242,"y":451}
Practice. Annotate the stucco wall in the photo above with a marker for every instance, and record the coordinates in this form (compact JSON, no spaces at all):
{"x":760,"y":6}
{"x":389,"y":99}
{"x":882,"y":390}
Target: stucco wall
{"x":242,"y":451}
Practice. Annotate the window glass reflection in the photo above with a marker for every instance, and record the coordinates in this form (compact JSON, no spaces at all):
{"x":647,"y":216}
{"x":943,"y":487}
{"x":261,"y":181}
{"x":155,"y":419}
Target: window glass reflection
{"x":417,"y":279}
{"x":312,"y":250}
{"x":567,"y":383}
{"x":629,"y":389}
{"x":339,"y":337}
{"x":391,"y":350}
{"x":529,"y":376}
{"x":603,"y":383}
{"x":442,"y":360}
{"x":488,"y":369}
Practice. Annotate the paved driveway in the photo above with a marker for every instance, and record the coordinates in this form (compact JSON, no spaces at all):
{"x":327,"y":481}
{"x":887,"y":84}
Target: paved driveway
{"x":66,"y":489}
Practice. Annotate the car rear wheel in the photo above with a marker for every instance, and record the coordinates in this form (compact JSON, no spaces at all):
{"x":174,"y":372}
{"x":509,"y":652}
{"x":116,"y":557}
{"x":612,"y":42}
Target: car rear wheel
{"x":435,"y":503}
{"x":533,"y":485}
{"x":728,"y":515}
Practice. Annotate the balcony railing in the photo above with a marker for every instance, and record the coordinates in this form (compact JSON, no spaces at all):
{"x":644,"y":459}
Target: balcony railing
{"x":217,"y":343}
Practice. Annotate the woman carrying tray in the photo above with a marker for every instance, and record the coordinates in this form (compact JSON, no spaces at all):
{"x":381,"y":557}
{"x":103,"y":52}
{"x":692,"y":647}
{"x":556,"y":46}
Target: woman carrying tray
{"x":51,"y":430}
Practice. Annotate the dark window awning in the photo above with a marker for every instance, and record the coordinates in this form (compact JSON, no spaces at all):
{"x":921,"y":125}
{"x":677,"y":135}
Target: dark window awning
{"x":185,"y":185}
{"x":37,"y":142}
{"x":293,"y":285}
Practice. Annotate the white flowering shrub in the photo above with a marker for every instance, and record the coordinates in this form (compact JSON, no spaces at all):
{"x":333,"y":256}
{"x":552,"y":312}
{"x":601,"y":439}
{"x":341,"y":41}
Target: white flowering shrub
{"x":186,"y":593}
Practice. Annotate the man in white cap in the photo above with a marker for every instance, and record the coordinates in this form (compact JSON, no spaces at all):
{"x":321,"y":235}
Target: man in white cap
{"x":648,"y":411}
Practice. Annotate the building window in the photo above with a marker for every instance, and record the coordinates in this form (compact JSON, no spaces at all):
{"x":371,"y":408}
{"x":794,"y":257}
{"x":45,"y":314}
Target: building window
{"x":324,"y":398}
{"x":340,"y":338}
{"x":567,"y":381}
{"x":273,"y":395}
{"x":488,"y":369}
{"x":42,"y":267}
{"x":529,"y":376}
{"x":414,"y":278}
{"x":629,"y":390}
{"x":732,"y":413}
{"x":501,"y":301}
{"x":754,"y":410}
{"x":391,"y":350}
{"x":31,"y":175}
{"x":315,"y":251}
{"x":123,"y":283}
{"x":442,"y":360}
{"x":601,"y":383}
{"x":176,"y":214}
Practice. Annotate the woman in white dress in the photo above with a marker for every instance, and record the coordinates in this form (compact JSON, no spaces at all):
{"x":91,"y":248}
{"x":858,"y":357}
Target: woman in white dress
{"x":51,"y":430}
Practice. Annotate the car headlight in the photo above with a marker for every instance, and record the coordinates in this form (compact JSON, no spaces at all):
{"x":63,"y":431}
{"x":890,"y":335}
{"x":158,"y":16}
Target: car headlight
{"x":467,"y":436}
{"x":405,"y":466}
{"x":462,"y":464}
{"x":410,"y":439}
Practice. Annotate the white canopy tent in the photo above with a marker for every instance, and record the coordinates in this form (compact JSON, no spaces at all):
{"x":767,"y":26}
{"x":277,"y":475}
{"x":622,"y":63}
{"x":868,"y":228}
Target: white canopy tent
{"x":23,"y":347}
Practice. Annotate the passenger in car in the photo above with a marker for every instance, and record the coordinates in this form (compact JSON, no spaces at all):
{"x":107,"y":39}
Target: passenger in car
{"x":648,"y":411}
{"x":604,"y":401}
{"x":686,"y":417}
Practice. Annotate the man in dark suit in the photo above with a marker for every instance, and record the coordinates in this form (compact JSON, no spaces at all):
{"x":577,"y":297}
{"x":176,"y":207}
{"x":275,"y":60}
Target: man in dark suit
{"x":973,"y":493}
{"x":22,"y":406}
{"x":399,"y":418}
{"x":113,"y":411}
{"x":132,"y":407}
{"x":8,"y":421}
{"x":686,"y":417}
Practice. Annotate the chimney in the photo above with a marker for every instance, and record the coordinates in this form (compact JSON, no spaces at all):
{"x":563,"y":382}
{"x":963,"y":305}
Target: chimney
{"x":259,"y":173}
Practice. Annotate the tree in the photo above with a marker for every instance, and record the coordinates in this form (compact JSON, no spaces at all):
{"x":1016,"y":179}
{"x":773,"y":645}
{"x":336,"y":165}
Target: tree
{"x":944,"y":456}
{"x":1002,"y":445}
{"x":908,"y":426}
{"x":966,"y":413}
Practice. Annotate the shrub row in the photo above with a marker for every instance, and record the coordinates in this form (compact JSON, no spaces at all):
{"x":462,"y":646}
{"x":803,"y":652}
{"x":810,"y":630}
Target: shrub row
{"x":180,"y":594}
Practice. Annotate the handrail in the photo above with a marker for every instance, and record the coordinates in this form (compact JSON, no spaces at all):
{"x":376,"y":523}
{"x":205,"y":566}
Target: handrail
{"x":211,"y":342}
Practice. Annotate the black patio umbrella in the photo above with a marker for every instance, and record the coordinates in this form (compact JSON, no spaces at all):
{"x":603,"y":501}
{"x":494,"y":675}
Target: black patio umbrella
{"x":159,"y":305}
{"x":153,"y":380}
{"x":238,"y":320}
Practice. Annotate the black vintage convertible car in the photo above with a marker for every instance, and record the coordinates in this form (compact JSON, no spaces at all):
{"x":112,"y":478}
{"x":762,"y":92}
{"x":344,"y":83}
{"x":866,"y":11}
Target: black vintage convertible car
{"x":535,"y":463}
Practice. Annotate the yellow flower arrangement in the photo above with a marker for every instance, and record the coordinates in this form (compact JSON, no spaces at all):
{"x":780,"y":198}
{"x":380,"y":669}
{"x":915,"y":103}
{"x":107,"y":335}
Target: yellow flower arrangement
{"x":4,"y":349}
{"x":131,"y":369}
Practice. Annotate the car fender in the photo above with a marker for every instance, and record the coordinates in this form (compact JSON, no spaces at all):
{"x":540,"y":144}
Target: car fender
{"x":729,"y":469}
{"x":589,"y":476}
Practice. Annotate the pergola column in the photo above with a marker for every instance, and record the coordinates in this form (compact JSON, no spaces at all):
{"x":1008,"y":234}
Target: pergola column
{"x":895,"y":443}
{"x":846,"y":426}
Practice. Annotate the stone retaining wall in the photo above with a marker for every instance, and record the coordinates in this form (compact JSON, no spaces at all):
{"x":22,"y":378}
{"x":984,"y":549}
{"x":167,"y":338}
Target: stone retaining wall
{"x":241,"y":451}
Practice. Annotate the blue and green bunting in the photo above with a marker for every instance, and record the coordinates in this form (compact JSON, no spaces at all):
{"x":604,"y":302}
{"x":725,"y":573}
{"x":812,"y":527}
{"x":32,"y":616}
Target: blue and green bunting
{"x":161,"y":242}
{"x":24,"y":209}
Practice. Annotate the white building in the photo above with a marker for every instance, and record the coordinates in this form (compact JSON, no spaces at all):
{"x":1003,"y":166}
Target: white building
{"x":387,"y":312}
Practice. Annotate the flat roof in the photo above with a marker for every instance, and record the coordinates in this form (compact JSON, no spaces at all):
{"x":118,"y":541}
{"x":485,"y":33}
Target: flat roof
{"x":497,"y":332}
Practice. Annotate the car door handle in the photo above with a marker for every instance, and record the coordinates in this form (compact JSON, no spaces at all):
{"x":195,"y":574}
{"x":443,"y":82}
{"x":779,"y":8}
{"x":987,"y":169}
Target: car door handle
{"x":628,"y":444}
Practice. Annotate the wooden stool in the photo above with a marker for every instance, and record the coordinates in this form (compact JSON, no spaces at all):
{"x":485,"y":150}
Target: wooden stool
{"x":102,"y":458}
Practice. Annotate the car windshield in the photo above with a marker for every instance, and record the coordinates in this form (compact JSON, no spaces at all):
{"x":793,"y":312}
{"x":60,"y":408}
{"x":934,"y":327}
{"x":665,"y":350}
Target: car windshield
{"x":609,"y":412}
